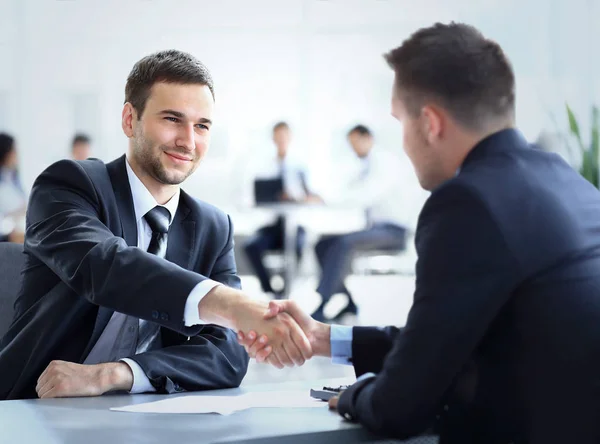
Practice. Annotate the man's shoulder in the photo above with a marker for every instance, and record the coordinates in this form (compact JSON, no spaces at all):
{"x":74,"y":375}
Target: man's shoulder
{"x":204,"y":210}
{"x":73,"y":171}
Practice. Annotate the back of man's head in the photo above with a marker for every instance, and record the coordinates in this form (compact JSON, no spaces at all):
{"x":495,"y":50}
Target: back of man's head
{"x":458,"y":68}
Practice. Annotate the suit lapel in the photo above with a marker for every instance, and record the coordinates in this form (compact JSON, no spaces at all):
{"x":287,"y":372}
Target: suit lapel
{"x":122,"y":191}
{"x":182,"y":236}
{"x":120,"y":183}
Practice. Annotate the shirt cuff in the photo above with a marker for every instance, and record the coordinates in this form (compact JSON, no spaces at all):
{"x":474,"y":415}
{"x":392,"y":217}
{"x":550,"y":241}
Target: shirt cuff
{"x":190,"y":315}
{"x":341,"y":344}
{"x":141,"y":383}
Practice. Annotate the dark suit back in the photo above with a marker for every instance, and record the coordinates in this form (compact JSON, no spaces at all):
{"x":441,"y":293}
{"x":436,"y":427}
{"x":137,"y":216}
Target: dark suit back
{"x":83,"y":264}
{"x":503,"y":339}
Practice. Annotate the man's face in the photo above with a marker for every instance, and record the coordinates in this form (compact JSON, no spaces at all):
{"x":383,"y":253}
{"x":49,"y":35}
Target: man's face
{"x":81,"y":150}
{"x":11,"y":161}
{"x":422,"y":154}
{"x":173,"y":134}
{"x":361,"y":144}
{"x":282,"y":138}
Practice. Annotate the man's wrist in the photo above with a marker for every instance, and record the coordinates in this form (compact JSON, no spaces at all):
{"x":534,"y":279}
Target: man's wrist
{"x":116,"y":376}
{"x":321,"y":342}
{"x":220,"y":306}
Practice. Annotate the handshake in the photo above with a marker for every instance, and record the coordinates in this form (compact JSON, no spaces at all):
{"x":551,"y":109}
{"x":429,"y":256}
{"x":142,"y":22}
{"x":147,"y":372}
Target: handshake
{"x":284,"y":336}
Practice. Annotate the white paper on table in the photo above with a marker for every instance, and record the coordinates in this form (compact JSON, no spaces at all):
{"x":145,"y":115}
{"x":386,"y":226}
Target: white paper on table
{"x":223,"y":405}
{"x":287,"y":399}
{"x":226,"y":405}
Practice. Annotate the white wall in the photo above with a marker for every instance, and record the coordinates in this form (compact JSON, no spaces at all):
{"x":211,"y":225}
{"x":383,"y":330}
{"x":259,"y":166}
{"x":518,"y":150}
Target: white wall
{"x":315,"y":63}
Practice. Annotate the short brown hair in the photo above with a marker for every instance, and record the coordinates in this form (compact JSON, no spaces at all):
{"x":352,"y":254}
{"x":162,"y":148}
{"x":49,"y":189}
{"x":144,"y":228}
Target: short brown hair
{"x":170,"y":66}
{"x":458,"y":67}
{"x":280,"y":125}
{"x":80,"y":138}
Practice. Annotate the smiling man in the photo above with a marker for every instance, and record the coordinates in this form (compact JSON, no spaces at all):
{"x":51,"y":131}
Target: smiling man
{"x":126,"y":274}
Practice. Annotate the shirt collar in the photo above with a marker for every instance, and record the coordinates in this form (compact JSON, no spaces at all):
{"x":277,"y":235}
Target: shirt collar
{"x":143,"y":201}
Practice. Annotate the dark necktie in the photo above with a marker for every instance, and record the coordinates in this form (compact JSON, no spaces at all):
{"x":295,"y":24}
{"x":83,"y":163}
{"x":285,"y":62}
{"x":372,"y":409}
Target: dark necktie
{"x":158,"y":219}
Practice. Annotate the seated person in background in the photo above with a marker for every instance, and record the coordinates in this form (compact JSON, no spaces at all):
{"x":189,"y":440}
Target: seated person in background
{"x":126,"y":273}
{"x":375,"y":186}
{"x":81,"y":147}
{"x":502,"y":342}
{"x":295,"y":189}
{"x":13,"y":201}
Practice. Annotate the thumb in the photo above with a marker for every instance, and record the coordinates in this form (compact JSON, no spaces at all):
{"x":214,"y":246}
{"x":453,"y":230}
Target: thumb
{"x":275,"y":307}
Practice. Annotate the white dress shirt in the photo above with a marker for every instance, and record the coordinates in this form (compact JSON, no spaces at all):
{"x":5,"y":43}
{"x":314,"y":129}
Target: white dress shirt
{"x":383,"y":184}
{"x":143,"y":201}
{"x":293,"y":171}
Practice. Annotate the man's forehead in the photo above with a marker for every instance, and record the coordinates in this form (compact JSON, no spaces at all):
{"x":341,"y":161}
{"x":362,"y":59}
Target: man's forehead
{"x":176,"y":92}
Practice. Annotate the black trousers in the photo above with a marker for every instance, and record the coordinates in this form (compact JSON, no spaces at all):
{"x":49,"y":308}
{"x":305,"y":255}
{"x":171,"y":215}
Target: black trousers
{"x":270,"y":238}
{"x":334,"y":253}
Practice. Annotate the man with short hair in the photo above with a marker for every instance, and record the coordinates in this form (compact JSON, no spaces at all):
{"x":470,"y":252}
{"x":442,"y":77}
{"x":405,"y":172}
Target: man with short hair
{"x":126,"y":274}
{"x":295,"y":189}
{"x":502,"y":343}
{"x":376,"y":187}
{"x":81,"y":147}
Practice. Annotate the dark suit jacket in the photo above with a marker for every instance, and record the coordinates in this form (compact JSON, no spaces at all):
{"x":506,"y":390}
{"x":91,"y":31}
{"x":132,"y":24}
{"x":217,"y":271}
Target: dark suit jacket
{"x":83,"y":264}
{"x":502,"y":342}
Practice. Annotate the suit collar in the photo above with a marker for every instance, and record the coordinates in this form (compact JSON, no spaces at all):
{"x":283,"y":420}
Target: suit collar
{"x":502,"y":141}
{"x":182,"y":235}
{"x":120,"y":184}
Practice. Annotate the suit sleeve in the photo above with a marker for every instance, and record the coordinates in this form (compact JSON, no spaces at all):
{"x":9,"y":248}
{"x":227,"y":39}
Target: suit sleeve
{"x":465,"y":274}
{"x":212,"y":359}
{"x":65,"y":231}
{"x":370,"y":346}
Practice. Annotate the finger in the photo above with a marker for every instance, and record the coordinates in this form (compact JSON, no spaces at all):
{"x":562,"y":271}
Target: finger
{"x":258,"y":345}
{"x":293,"y":351}
{"x":40,"y":383}
{"x":274,"y":361}
{"x":262,"y":355}
{"x":246,"y":340}
{"x":284,"y":354}
{"x":333,"y":403}
{"x":44,"y":374}
{"x":43,"y":379}
{"x":302,"y":343}
{"x":273,"y":310}
{"x":43,"y":391}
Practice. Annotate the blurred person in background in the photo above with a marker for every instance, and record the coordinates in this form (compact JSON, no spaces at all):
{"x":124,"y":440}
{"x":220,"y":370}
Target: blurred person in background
{"x":81,"y":147}
{"x":374,"y":185}
{"x":294,"y":177}
{"x":13,"y":201}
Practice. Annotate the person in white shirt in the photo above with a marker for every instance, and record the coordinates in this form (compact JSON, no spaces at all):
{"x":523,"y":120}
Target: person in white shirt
{"x":295,"y":189}
{"x":13,"y":200}
{"x":373,"y":187}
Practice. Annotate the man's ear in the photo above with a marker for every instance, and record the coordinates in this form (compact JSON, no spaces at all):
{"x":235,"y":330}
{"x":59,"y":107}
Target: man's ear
{"x":128,"y":119}
{"x":433,"y":122}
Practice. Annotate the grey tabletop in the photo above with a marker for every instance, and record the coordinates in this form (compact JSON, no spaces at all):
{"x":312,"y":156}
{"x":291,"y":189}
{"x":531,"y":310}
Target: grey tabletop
{"x":89,"y":421}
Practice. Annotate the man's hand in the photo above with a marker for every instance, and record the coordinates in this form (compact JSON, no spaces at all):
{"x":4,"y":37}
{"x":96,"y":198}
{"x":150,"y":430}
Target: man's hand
{"x":287,"y":340}
{"x":333,"y":402}
{"x":233,"y":309}
{"x":318,"y":333}
{"x":66,"y":379}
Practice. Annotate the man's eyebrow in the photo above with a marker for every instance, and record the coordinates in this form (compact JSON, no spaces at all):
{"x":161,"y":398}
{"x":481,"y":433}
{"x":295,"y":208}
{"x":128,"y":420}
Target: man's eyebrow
{"x":181,"y":115}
